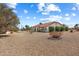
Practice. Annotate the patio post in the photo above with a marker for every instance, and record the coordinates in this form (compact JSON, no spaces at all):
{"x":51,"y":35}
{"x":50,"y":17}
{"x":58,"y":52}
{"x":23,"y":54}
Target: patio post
{"x":36,"y":29}
{"x":47,"y":29}
{"x":54,"y":28}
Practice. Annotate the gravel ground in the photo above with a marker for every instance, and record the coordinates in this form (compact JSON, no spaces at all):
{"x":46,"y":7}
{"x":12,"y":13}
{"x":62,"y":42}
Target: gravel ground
{"x":38,"y":44}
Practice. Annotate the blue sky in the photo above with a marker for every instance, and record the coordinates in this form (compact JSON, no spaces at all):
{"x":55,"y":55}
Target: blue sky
{"x":34,"y":13}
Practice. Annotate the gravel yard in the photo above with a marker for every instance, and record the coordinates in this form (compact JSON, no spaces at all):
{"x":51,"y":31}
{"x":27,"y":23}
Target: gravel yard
{"x":38,"y":44}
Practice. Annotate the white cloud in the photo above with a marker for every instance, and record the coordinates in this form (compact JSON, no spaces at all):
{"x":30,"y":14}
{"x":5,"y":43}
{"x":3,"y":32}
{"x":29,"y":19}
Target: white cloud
{"x":27,"y":17}
{"x":14,"y":11}
{"x":34,"y":17}
{"x":77,"y":6}
{"x":45,"y":13}
{"x":74,"y":8}
{"x":43,"y":19}
{"x":67,"y":18}
{"x":41,"y":6}
{"x":20,"y":16}
{"x":56,"y":17}
{"x":25,"y":11}
{"x":52,"y":7}
{"x":73,"y":14}
{"x":53,"y":18}
{"x":77,"y":3}
{"x":71,"y":25}
{"x":12,"y":5}
{"x":66,"y":14}
{"x":45,"y":9}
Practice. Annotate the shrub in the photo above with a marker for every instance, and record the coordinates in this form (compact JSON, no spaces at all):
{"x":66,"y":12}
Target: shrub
{"x":62,"y":28}
{"x":58,"y":28}
{"x":2,"y":30}
{"x":51,"y":29}
{"x":66,"y":28}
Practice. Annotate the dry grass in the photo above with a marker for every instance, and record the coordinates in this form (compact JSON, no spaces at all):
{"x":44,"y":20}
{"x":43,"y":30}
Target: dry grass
{"x":38,"y":44}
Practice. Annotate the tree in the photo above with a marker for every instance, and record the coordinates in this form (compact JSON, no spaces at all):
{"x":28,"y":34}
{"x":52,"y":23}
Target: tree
{"x":76,"y":26}
{"x":65,"y":27}
{"x":40,"y":23}
{"x":27,"y":27}
{"x":23,"y":29}
{"x":8,"y":19}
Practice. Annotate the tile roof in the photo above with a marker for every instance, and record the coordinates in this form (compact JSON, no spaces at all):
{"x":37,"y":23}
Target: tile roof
{"x":46,"y":24}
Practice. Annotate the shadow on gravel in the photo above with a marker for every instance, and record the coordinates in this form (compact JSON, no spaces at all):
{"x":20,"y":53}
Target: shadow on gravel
{"x":4,"y":35}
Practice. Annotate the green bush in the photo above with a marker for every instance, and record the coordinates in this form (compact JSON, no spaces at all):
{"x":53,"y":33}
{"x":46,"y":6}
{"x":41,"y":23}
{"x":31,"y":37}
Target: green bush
{"x":62,"y":28}
{"x":66,"y":28}
{"x":51,"y":29}
{"x":58,"y":28}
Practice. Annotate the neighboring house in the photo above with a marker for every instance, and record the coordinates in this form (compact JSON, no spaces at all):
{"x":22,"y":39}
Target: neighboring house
{"x":45,"y":27}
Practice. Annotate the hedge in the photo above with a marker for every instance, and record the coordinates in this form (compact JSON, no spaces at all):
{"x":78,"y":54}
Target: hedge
{"x":58,"y":28}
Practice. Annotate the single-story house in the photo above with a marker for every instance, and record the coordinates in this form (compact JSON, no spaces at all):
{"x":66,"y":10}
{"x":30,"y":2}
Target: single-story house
{"x":45,"y":27}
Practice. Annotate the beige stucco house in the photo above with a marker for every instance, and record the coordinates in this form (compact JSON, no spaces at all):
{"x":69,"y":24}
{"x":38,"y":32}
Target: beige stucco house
{"x":45,"y":27}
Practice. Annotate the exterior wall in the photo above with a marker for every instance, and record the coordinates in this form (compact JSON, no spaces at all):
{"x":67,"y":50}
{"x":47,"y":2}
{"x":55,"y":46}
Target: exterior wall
{"x":41,"y":29}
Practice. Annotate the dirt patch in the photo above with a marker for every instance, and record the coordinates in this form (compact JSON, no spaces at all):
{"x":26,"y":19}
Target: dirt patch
{"x":38,"y":44}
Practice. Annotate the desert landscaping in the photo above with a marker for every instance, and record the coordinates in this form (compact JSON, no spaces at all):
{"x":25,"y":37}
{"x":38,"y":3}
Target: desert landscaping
{"x":35,"y":29}
{"x":37,"y":44}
